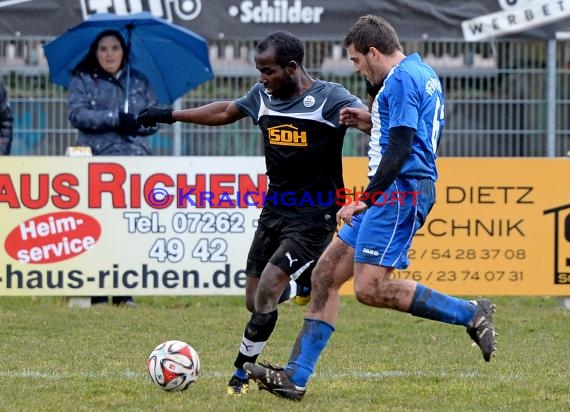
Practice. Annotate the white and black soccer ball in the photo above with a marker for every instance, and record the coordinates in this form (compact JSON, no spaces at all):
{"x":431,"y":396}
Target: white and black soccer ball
{"x":174,"y":365}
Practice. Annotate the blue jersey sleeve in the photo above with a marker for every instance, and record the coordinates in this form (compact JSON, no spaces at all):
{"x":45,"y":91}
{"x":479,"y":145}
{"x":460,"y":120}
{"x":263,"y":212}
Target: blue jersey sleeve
{"x":403,"y":100}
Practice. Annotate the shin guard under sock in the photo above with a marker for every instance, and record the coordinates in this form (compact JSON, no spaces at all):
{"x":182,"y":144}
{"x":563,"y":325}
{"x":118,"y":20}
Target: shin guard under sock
{"x":430,"y":304}
{"x":308,"y":347}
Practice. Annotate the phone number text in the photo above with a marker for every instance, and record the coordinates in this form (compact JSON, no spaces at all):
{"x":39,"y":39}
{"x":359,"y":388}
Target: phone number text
{"x":468,"y":254}
{"x":460,"y":275}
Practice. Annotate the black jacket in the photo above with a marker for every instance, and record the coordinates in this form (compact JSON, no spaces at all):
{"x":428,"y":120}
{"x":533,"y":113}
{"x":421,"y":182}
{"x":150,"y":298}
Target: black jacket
{"x":94,"y":102}
{"x":6,"y":122}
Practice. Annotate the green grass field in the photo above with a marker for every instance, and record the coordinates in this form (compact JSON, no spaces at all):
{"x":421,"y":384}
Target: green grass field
{"x":54,"y":358}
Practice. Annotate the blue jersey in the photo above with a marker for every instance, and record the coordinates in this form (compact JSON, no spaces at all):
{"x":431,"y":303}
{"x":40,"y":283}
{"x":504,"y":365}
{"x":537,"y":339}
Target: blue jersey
{"x":412,"y":97}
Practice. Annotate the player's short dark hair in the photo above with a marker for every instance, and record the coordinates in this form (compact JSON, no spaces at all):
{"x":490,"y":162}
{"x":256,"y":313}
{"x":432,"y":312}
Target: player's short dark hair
{"x":373,"y":31}
{"x":287,"y":48}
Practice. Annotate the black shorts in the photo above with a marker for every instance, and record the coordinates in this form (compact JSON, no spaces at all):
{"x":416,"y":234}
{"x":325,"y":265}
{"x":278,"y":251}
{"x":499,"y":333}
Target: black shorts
{"x":293,"y":246}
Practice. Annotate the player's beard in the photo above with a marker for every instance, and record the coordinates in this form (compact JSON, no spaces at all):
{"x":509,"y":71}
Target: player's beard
{"x":371,"y":75}
{"x":287,"y":89}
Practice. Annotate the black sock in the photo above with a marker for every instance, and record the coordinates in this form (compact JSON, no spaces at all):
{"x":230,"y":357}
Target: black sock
{"x":257,"y":332}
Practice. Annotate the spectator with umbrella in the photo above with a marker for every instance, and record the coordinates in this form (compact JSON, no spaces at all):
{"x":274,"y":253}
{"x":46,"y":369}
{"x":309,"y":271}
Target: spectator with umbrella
{"x":103,"y":95}
{"x":115,"y":65}
{"x":98,"y":99}
{"x":174,"y":59}
{"x":109,"y":62}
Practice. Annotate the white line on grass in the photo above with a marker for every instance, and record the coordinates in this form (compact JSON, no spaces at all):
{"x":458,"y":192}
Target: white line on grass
{"x":215,"y":374}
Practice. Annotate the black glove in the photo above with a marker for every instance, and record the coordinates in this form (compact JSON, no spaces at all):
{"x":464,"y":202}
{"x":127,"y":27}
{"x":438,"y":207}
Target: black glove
{"x":150,"y":116}
{"x":128,"y":125}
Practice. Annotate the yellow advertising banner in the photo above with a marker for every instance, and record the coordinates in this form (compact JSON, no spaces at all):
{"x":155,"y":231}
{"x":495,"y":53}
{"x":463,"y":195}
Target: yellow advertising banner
{"x":500,"y":226}
{"x":85,"y":226}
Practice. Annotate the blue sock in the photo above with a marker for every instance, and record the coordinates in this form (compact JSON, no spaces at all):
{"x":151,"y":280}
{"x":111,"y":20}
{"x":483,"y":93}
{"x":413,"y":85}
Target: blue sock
{"x":429,"y":304}
{"x":310,"y":343}
{"x":240,"y":373}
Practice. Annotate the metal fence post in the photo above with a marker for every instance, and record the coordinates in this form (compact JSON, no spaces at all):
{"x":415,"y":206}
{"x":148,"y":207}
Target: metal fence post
{"x":78,"y":301}
{"x":177,"y":143}
{"x":551,"y":99}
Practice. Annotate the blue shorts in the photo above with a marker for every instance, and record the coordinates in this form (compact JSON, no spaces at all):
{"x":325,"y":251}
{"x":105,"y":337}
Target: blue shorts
{"x":383,"y":235}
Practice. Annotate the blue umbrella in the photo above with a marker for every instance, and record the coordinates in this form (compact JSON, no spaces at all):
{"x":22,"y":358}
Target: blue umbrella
{"x":174,"y":59}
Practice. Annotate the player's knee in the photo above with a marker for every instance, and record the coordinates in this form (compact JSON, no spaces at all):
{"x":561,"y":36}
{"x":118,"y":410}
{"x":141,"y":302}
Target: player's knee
{"x":371,"y":294}
{"x":363,"y":295}
{"x":263,"y":319}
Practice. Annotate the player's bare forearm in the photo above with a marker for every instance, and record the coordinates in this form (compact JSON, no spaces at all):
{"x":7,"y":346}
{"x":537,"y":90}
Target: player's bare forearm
{"x":358,"y":118}
{"x":213,"y":114}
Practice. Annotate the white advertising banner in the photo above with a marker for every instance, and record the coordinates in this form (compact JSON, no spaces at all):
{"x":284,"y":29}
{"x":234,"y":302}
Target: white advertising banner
{"x":525,"y":16}
{"x":128,"y":226}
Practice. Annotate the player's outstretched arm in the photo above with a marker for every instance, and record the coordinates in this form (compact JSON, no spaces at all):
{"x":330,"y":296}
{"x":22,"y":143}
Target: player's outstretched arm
{"x":213,"y":114}
{"x":150,"y":116}
{"x":358,"y":118}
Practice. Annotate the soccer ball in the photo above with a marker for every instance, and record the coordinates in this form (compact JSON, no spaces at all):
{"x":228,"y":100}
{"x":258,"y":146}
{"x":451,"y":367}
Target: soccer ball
{"x":174,"y":365}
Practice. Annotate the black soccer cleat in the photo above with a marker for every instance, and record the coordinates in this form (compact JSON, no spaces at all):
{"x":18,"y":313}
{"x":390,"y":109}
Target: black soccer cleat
{"x":481,"y":328}
{"x":274,"y":380}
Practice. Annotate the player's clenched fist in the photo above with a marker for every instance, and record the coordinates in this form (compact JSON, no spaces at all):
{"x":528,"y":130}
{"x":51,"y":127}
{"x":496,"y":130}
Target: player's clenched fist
{"x":150,"y":116}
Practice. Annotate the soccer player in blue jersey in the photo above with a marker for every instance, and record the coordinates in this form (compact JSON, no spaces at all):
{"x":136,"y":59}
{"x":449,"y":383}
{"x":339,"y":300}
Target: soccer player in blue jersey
{"x":405,"y":127}
{"x":299,"y":118}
